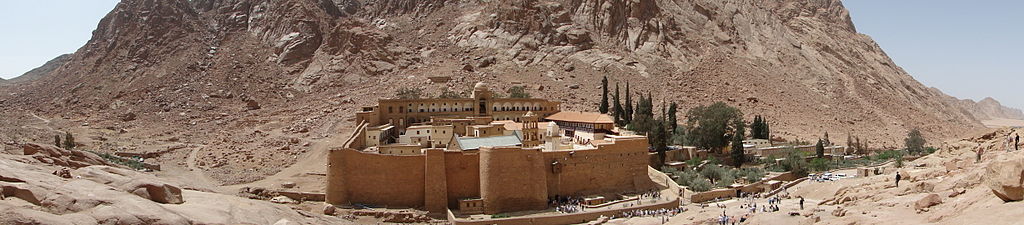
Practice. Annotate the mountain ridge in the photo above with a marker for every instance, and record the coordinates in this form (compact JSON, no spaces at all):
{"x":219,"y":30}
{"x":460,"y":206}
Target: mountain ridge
{"x":214,"y":72}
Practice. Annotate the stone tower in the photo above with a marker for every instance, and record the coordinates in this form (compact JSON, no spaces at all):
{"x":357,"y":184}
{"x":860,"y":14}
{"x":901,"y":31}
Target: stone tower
{"x":531,"y":136}
{"x":482,"y":95}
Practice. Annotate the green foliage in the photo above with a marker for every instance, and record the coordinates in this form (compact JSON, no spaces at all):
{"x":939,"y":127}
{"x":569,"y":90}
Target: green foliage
{"x":130,"y":163}
{"x":751,"y":174}
{"x":450,"y":94}
{"x":69,"y":141}
{"x":409,"y":93}
{"x":795,"y":163}
{"x":930,"y":150}
{"x":673,"y":122}
{"x":694,"y":162}
{"x":914,"y":142}
{"x":738,"y":157}
{"x":518,"y":92}
{"x":604,"y":96}
{"x":502,"y":215}
{"x":618,"y":112}
{"x":627,"y":115}
{"x":56,"y":140}
{"x":707,"y":126}
{"x":759,"y":128}
{"x":713,"y":172}
{"x":714,"y":161}
{"x":819,"y":164}
{"x":700,"y":185}
{"x":890,"y":154}
{"x":679,"y":136}
{"x":819,"y":149}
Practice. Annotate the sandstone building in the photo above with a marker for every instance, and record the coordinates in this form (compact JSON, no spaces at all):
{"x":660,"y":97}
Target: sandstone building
{"x":482,"y":155}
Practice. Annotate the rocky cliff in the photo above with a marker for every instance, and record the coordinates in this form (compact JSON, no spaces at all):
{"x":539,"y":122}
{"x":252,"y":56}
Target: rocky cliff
{"x":43,"y":70}
{"x":989,"y":108}
{"x":225,"y":74}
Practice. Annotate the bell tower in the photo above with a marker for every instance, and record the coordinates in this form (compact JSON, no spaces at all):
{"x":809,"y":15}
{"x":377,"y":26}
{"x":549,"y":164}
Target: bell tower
{"x":482,"y":95}
{"x":531,"y":136}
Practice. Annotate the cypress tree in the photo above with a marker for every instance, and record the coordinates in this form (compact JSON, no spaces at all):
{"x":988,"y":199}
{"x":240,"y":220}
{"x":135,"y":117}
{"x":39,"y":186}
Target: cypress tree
{"x":604,"y":96}
{"x":628,"y":116}
{"x":56,"y":140}
{"x":69,"y":141}
{"x":672,"y":120}
{"x":738,"y":156}
{"x":618,"y":111}
{"x":820,"y":148}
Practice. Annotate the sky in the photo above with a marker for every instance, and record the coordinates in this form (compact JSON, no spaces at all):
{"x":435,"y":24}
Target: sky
{"x":967,"y":49}
{"x":36,"y":31}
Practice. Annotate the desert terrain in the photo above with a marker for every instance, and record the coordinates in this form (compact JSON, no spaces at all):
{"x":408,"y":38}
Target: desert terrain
{"x":227,"y":95}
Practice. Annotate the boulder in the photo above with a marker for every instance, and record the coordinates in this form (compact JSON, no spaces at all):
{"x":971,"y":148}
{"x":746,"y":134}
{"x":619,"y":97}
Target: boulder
{"x":142,"y":185}
{"x":288,"y":184}
{"x":157,"y":192}
{"x":283,"y":200}
{"x":329,"y":209}
{"x":928,"y":201}
{"x":51,"y":154}
{"x":252,"y":104}
{"x":1006,"y":179}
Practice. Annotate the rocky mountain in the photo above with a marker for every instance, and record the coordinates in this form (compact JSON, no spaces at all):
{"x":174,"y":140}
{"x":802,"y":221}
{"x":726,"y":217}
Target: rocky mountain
{"x":989,"y":108}
{"x":247,"y":81}
{"x":43,"y":70}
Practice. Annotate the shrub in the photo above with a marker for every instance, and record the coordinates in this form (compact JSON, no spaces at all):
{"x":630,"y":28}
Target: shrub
{"x":819,"y":164}
{"x":795,"y":163}
{"x":409,"y":93}
{"x":914,"y":142}
{"x":700,"y":185}
{"x":518,"y":92}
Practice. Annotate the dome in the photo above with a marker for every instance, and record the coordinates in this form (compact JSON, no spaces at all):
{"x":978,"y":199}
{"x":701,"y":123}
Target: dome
{"x":480,"y":85}
{"x":530,"y":114}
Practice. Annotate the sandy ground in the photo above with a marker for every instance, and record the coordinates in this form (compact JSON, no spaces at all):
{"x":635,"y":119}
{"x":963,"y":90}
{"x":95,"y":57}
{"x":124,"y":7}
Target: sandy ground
{"x":1000,"y":123}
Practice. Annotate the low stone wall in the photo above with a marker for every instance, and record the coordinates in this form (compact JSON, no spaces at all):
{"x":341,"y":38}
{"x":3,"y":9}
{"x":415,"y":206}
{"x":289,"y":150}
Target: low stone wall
{"x":574,"y":218}
{"x":755,"y":187}
{"x":711,"y":195}
{"x":303,"y":196}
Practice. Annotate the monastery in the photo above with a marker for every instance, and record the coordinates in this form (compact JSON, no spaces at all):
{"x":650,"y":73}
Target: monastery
{"x":483,"y":155}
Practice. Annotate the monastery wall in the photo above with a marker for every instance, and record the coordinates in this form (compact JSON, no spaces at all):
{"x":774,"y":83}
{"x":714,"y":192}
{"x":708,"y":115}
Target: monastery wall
{"x":610,"y":169}
{"x":512,"y":179}
{"x":462,"y":172}
{"x":374,"y":179}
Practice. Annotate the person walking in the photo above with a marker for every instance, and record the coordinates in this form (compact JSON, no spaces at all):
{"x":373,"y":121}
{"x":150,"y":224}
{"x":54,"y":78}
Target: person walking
{"x":1016,"y":142}
{"x":980,"y":152}
{"x":801,"y":202}
{"x":898,"y":178}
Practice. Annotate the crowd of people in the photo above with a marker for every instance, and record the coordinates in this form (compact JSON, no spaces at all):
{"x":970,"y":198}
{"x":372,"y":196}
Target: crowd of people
{"x":567,"y":204}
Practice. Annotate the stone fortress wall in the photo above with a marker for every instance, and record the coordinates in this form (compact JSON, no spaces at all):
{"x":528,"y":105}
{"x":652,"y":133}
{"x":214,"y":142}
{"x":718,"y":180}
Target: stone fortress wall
{"x":507,"y":178}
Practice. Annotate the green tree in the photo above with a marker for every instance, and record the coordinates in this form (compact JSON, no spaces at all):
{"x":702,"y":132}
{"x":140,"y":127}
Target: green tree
{"x":673,"y":122}
{"x":449,"y":94}
{"x":827,"y":141}
{"x":56,"y":140}
{"x":604,"y":96}
{"x":795,"y":163}
{"x":409,"y":93}
{"x":738,"y":156}
{"x":819,"y":164}
{"x":820,"y":149}
{"x":628,"y":116}
{"x":69,"y":141}
{"x":618,"y":112}
{"x":914,"y":142}
{"x":707,"y":126}
{"x":518,"y":92}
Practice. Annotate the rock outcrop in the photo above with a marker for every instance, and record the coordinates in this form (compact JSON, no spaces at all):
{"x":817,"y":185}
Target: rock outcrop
{"x":1006,"y":179}
{"x":50,"y":154}
{"x":106,"y":195}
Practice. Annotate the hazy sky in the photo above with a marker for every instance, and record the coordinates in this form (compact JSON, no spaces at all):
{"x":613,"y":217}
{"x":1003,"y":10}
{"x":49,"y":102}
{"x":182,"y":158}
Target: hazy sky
{"x":38,"y":30}
{"x":968,"y":49}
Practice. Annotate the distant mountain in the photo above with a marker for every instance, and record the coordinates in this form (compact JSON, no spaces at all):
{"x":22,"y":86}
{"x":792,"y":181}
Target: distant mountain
{"x":989,"y":108}
{"x":43,"y":70}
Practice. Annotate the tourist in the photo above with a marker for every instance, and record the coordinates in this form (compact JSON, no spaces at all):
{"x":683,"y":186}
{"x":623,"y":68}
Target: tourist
{"x":801,"y":202}
{"x":980,"y":151}
{"x":898,"y":178}
{"x":1016,"y":142}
